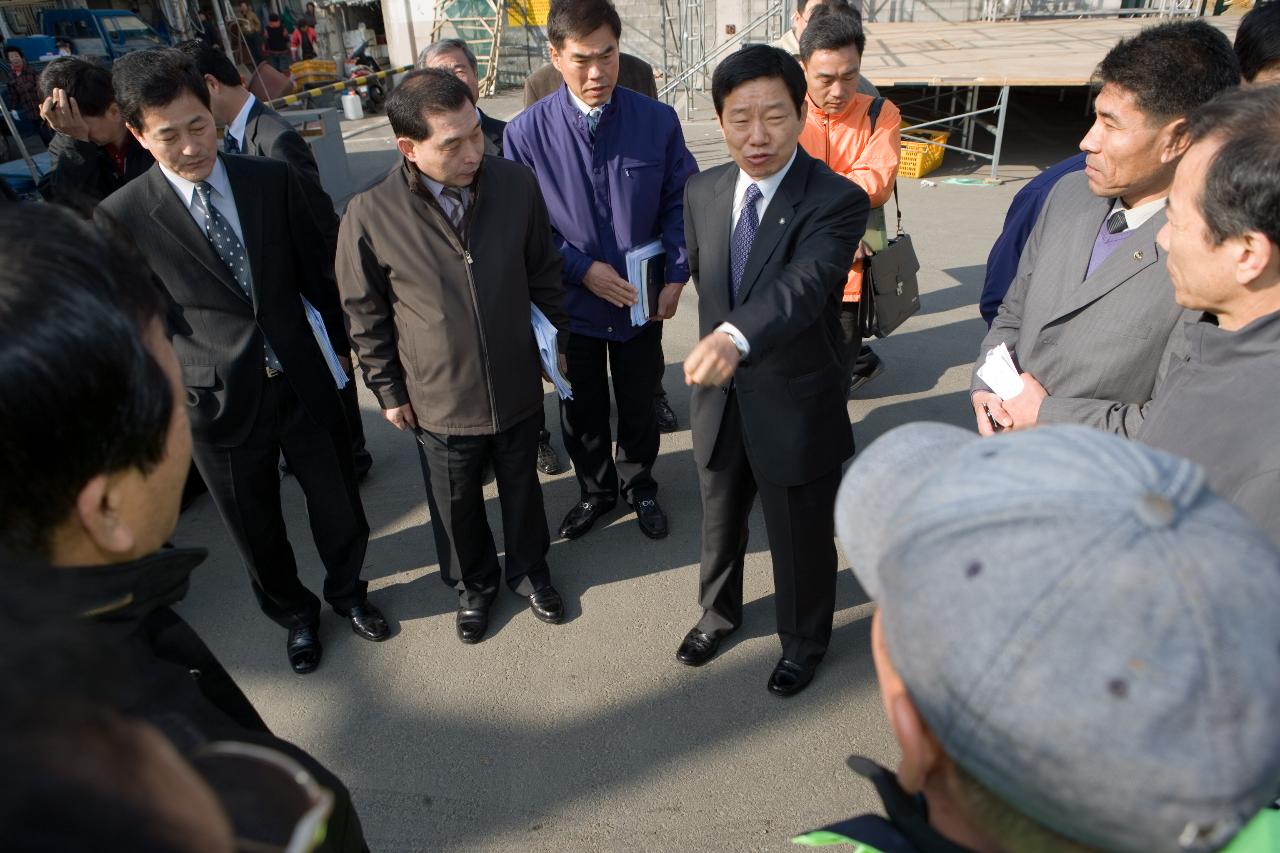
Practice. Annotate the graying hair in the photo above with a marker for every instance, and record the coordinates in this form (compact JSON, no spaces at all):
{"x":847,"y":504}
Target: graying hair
{"x":431,"y":51}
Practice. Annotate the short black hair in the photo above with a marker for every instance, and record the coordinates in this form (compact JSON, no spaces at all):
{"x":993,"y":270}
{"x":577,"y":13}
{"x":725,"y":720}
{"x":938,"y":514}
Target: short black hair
{"x":579,"y":19}
{"x":1242,"y":186}
{"x":209,"y":60}
{"x":1171,"y":68}
{"x":1258,"y":39}
{"x":86,"y":81}
{"x":755,"y":62}
{"x":273,"y":17}
{"x":840,"y":5}
{"x":13,"y":48}
{"x":422,"y":93}
{"x":832,"y":29}
{"x":80,"y":393}
{"x":155,"y":77}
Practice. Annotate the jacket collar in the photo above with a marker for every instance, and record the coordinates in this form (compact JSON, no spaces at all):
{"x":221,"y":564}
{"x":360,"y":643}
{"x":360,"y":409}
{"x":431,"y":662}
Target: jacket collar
{"x":909,"y":813}
{"x":1207,"y":342}
{"x":123,"y":591}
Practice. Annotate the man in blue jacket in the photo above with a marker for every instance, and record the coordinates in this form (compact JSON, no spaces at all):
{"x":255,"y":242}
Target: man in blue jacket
{"x":612,"y":165}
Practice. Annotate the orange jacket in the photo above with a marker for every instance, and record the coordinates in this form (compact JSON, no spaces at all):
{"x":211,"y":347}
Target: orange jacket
{"x":846,"y":144}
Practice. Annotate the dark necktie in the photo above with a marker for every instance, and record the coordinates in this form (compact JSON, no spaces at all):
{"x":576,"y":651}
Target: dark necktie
{"x":744,"y":234}
{"x":1116,"y":222}
{"x":229,"y":143}
{"x":593,"y":122}
{"x":458,"y":208}
{"x":229,"y":248}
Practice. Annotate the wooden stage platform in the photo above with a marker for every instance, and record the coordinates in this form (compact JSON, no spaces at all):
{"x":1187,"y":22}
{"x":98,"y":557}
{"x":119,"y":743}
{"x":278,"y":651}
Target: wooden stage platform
{"x":1057,"y":52}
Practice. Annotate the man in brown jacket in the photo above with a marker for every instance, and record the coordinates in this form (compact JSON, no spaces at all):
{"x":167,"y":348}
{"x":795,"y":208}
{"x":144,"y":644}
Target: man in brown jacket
{"x":439,"y":264}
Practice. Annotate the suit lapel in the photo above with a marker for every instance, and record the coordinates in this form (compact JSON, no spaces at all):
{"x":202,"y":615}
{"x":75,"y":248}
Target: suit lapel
{"x":251,"y":128}
{"x":773,"y":222}
{"x":171,"y":214}
{"x":713,"y":250}
{"x":248,"y":199}
{"x":1131,"y":257}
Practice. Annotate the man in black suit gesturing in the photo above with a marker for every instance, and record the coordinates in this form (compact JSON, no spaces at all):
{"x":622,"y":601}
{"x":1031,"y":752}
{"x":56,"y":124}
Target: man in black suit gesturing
{"x":771,"y":237}
{"x":233,"y":243}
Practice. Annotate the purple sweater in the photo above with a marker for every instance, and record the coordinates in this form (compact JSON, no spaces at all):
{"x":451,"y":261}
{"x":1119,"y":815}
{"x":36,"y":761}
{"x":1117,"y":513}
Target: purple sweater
{"x":623,"y":192}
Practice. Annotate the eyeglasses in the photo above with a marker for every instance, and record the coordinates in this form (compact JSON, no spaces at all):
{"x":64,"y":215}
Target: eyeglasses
{"x":274,"y":804}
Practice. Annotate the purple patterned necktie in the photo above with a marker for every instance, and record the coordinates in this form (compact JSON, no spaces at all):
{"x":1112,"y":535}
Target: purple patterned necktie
{"x":744,"y":234}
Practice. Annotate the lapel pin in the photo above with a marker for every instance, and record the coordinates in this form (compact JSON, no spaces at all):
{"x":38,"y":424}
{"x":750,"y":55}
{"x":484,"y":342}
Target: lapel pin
{"x":1137,"y":256}
{"x":782,"y":221}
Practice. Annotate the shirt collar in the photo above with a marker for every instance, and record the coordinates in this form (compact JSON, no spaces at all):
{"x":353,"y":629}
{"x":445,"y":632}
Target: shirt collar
{"x":582,"y":105}
{"x":1136,"y":217}
{"x":767,"y":186}
{"x":437,"y":188}
{"x":237,"y":126}
{"x":186,"y":189}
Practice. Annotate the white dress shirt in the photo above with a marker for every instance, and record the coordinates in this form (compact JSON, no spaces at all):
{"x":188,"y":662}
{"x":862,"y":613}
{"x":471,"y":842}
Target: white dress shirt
{"x":768,"y":188}
{"x":220,"y":197}
{"x":1134,"y":217}
{"x":238,"y":124}
{"x":582,"y":105}
{"x":446,"y":203}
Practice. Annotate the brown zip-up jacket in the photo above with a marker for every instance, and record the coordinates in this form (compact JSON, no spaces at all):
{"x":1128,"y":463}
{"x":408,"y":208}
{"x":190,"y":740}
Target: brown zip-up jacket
{"x":442,"y":320}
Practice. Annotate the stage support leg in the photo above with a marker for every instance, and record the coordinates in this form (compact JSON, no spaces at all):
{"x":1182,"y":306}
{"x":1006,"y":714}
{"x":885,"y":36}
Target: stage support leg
{"x":995,"y":152}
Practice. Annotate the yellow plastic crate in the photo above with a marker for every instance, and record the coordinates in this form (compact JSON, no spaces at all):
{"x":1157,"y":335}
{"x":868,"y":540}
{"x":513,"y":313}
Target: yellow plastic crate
{"x":314,"y":72}
{"x":920,"y":158}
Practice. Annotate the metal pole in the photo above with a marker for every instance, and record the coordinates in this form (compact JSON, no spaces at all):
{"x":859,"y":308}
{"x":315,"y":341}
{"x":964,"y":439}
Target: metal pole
{"x":995,"y":153}
{"x":221,"y":21}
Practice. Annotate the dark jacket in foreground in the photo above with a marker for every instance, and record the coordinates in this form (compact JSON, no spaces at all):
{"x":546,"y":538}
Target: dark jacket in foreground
{"x":790,"y":388}
{"x":218,"y":331}
{"x":82,"y":174}
{"x":444,"y":323}
{"x":1218,"y":406}
{"x":162,"y":671}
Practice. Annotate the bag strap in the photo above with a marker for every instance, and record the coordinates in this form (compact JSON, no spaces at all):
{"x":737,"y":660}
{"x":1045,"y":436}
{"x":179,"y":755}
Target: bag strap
{"x":874,"y":115}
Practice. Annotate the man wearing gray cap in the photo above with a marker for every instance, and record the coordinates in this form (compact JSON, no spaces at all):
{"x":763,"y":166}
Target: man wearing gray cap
{"x":1217,"y":405}
{"x":1076,"y":645}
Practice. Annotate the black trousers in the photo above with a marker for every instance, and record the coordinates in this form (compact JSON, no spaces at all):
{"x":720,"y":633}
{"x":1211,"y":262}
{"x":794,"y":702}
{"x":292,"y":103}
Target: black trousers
{"x":244,"y":482}
{"x":355,"y":425}
{"x":453,"y":468}
{"x":800,"y":523}
{"x":851,"y":332}
{"x":585,"y":418}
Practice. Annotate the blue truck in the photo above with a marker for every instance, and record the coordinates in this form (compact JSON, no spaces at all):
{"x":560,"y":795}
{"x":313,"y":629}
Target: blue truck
{"x":100,"y":34}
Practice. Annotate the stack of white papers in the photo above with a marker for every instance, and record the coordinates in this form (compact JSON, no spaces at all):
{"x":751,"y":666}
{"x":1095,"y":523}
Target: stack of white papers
{"x":638,"y":262}
{"x":545,"y":334}
{"x":326,"y":346}
{"x":1000,"y":374}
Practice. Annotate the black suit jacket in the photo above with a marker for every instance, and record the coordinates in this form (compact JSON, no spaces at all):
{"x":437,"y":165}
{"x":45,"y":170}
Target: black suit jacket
{"x":492,"y":129}
{"x":791,"y":388}
{"x":218,"y":330}
{"x":269,"y":134}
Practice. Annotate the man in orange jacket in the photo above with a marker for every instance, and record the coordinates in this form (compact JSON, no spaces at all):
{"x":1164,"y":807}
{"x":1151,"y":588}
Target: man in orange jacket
{"x":843,"y":130}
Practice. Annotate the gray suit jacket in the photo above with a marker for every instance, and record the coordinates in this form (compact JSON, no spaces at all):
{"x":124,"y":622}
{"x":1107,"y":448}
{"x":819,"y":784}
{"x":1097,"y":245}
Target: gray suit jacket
{"x":1097,"y":344}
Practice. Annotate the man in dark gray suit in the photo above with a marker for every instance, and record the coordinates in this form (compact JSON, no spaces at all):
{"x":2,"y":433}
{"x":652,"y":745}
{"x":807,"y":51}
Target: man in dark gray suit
{"x":771,"y":237}
{"x":232,"y":242}
{"x":1091,"y":312}
{"x":255,"y":129}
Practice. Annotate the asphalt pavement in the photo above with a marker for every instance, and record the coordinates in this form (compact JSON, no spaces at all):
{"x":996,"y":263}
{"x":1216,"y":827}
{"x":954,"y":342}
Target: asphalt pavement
{"x":589,"y":735}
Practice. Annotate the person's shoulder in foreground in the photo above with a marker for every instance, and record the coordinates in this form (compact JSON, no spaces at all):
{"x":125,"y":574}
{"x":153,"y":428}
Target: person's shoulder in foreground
{"x":1069,"y":642}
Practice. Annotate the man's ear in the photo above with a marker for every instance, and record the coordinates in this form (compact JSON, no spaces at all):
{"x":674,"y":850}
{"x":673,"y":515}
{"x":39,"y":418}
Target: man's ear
{"x":1255,"y":255}
{"x":137,"y":134}
{"x":213,"y":84}
{"x":406,"y":148}
{"x":98,"y":511}
{"x":921,"y":753}
{"x":555,"y":58}
{"x":1172,"y":142}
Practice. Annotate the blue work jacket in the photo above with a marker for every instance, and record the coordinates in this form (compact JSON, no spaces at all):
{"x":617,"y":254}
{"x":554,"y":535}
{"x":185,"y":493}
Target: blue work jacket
{"x":604,"y":199}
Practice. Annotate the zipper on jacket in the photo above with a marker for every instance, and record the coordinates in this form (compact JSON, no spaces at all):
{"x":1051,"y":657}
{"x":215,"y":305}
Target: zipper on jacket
{"x":484,"y":342}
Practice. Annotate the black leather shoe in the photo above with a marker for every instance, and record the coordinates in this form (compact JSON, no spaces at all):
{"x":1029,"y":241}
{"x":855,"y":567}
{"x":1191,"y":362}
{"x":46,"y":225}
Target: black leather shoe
{"x":472,"y":624}
{"x":582,"y":516}
{"x":666,"y":417}
{"x":304,"y":648}
{"x":789,"y":678}
{"x":547,"y":605}
{"x":697,"y":648}
{"x":867,"y":367}
{"x":548,"y":459}
{"x":653,"y":521}
{"x":368,"y":622}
